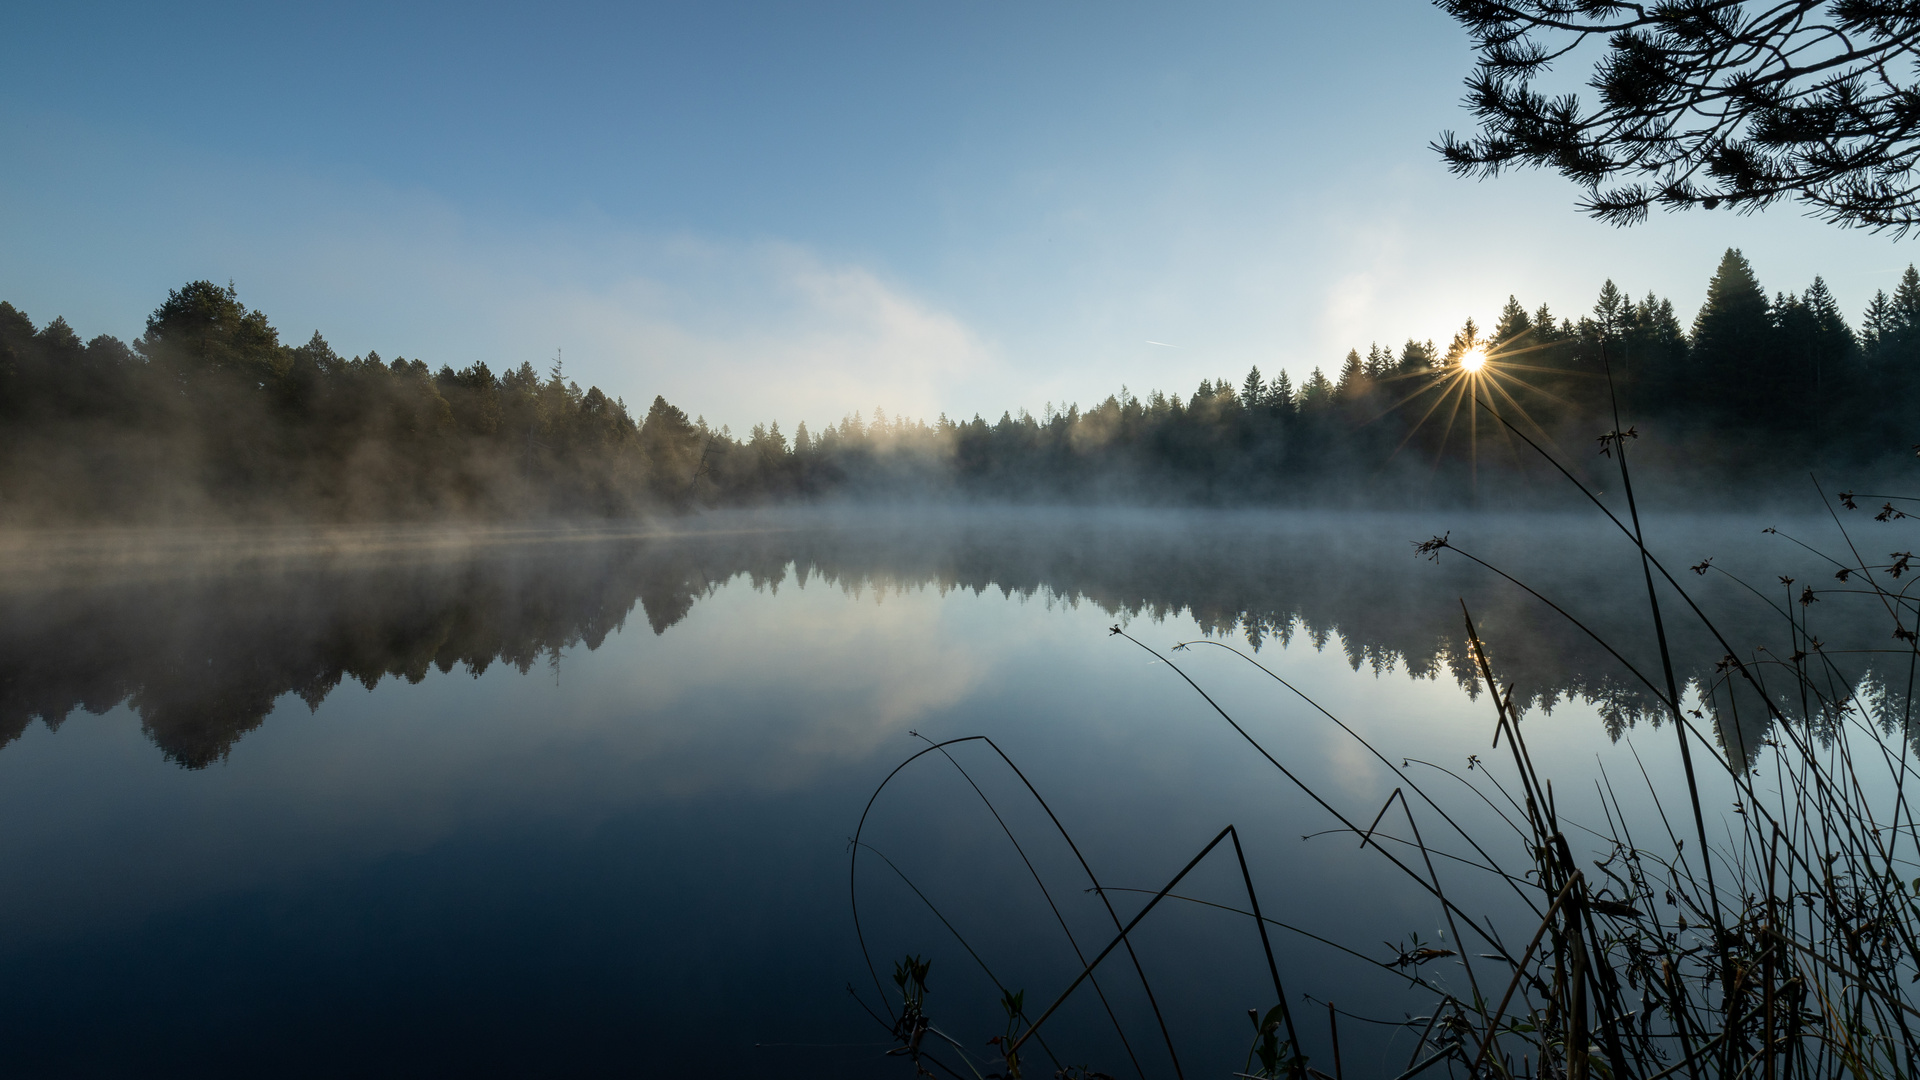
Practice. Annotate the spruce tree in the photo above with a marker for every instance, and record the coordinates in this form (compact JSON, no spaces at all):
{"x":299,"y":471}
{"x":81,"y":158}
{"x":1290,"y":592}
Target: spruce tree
{"x":1654,"y":356}
{"x":1468,"y":337}
{"x":1316,"y":393}
{"x":1830,"y":353}
{"x":1732,"y":370}
{"x":1513,"y":323}
{"x":1353,"y":377}
{"x":1280,"y":394}
{"x":1876,"y":326}
{"x":1896,"y":367}
{"x":1612,"y":311}
{"x":1544,"y":327}
{"x":1655,"y":320}
{"x":1417,"y":356}
{"x":1906,"y":305}
{"x":1379,"y":362}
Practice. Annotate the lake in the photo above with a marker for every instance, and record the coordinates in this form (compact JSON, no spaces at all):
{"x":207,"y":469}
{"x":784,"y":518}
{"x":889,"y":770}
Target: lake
{"x":578,"y":802}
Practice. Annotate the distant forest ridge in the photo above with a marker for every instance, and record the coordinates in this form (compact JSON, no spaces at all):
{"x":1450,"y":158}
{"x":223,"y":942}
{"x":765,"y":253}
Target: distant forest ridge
{"x":208,"y":412}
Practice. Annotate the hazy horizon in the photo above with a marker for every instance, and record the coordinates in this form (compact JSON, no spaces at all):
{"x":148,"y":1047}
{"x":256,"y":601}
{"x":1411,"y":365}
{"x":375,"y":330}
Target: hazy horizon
{"x":771,"y":213}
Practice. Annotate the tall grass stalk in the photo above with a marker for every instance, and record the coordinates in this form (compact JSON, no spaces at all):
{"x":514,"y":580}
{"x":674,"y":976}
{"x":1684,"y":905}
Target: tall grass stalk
{"x":1787,"y":948}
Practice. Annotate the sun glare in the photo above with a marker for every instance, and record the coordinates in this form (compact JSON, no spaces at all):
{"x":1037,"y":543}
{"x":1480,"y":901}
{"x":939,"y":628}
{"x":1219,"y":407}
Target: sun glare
{"x":1457,"y":387}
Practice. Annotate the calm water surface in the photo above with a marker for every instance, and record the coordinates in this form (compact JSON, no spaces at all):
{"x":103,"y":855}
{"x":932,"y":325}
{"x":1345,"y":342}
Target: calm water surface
{"x":518,"y":804}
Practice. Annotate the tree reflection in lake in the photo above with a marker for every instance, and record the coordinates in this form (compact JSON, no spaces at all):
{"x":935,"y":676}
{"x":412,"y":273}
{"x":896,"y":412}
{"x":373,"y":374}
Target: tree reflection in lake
{"x":636,"y":852}
{"x":202,"y":638}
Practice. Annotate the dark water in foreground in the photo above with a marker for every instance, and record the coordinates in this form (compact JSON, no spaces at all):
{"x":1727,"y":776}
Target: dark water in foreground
{"x":526,"y":804}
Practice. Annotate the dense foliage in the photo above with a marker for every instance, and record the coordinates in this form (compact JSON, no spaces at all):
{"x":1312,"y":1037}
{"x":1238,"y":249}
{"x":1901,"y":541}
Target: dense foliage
{"x":208,"y":411}
{"x":1703,"y":103}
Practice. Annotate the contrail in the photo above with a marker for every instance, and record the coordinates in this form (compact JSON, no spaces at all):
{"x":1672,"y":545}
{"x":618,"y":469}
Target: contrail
{"x":1163,"y":344}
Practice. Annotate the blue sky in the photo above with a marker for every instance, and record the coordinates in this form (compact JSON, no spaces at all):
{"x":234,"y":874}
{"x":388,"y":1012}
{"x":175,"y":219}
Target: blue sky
{"x":791,"y":211}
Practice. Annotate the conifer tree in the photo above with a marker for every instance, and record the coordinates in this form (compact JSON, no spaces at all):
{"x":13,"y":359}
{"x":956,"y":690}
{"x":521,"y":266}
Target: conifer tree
{"x":672,"y":448}
{"x":1379,"y":362}
{"x":1544,"y":327}
{"x":1612,"y":311}
{"x":1353,"y":377}
{"x":1514,"y":322}
{"x":1280,"y":394}
{"x":1656,"y":320}
{"x":1316,"y":393}
{"x":1876,"y":326}
{"x":1416,"y":356}
{"x":1824,"y":310}
{"x":1467,"y":337}
{"x":1653,"y":355}
{"x":1731,"y":368}
{"x":1897,"y":360}
{"x":1830,"y":350}
{"x":1905,"y":321}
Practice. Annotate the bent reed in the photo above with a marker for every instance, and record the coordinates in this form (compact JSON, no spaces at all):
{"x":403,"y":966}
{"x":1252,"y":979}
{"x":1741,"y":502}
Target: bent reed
{"x":1776,"y":938}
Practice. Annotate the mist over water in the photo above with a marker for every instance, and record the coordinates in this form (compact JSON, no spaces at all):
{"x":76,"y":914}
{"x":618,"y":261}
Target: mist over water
{"x":526,"y":800}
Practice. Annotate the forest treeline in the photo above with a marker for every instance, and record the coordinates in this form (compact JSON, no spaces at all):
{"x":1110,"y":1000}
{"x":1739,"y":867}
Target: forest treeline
{"x":209,"y":412}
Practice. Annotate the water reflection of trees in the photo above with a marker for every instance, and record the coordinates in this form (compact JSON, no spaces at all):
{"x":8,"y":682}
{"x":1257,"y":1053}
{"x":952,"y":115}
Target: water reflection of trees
{"x":203,"y":658}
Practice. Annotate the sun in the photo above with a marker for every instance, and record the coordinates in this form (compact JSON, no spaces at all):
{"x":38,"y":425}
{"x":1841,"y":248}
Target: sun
{"x":1482,"y":376}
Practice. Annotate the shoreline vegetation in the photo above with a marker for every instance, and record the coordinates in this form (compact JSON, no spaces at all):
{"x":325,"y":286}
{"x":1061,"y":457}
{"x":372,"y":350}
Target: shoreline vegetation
{"x":209,"y":416}
{"x":1756,"y":915}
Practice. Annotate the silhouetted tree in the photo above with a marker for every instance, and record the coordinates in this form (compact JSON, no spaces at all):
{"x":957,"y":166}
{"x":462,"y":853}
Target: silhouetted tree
{"x":1703,"y":103}
{"x":1514,"y":324}
{"x":1733,"y":366}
